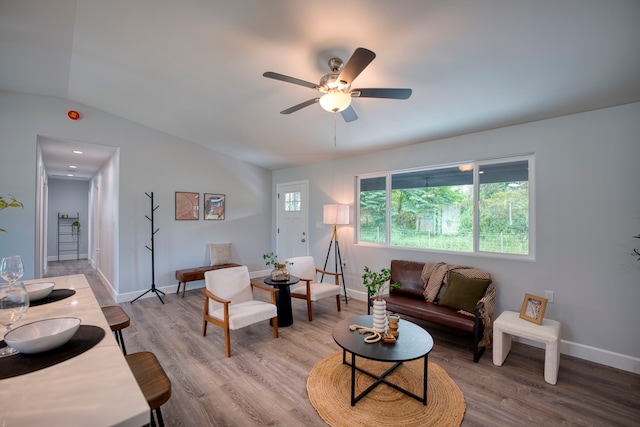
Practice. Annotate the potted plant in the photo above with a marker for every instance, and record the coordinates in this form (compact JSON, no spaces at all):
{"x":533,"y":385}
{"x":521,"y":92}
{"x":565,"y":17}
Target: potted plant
{"x":279,"y":272}
{"x":13,"y":203}
{"x":375,"y":283}
{"x":75,"y":228}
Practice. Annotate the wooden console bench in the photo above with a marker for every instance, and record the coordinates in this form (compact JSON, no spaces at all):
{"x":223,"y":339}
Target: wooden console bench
{"x":191,"y":274}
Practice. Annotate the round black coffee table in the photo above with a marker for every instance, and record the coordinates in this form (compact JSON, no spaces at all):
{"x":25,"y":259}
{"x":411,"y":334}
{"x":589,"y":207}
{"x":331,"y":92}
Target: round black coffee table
{"x":412,"y":343}
{"x":283,"y":299}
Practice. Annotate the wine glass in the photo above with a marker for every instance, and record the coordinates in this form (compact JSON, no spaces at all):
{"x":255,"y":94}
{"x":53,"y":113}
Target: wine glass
{"x":14,"y":299}
{"x":12,"y":268}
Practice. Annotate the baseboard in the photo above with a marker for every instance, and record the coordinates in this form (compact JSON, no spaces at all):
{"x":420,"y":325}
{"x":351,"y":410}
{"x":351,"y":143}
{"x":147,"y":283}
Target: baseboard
{"x":598,"y":355}
{"x":130,"y":296}
{"x":592,"y":354}
{"x":110,"y":288}
{"x":171,"y":289}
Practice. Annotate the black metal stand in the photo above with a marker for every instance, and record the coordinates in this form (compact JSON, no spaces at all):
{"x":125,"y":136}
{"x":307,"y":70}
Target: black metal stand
{"x":153,"y":267}
{"x":336,"y":257}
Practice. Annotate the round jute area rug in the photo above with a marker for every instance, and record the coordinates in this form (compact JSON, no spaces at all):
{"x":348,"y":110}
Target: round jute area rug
{"x":329,"y":389}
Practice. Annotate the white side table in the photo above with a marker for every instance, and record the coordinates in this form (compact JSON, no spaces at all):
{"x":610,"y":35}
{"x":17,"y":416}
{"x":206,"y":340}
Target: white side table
{"x":509,"y":323}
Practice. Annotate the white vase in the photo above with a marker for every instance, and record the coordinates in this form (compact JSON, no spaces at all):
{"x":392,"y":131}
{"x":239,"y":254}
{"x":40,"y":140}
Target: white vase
{"x":380,"y":315}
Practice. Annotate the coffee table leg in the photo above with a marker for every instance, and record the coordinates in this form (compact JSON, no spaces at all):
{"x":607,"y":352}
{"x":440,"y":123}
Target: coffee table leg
{"x":353,"y":379}
{"x":424,"y":389}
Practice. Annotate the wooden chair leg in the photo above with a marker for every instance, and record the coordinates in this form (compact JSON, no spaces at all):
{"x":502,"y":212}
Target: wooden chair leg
{"x":227,"y":341}
{"x":274,"y":321}
{"x":204,"y":316}
{"x":309,"y":310}
{"x":338,"y":301}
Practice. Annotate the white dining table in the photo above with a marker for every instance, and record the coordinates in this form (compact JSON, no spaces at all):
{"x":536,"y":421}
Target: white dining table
{"x":95,"y":388}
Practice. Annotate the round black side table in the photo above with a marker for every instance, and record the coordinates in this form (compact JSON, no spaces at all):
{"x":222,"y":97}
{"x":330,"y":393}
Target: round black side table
{"x":283,"y":299}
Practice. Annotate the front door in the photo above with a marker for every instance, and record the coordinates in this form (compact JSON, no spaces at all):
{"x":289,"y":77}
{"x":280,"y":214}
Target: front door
{"x":292,"y":229}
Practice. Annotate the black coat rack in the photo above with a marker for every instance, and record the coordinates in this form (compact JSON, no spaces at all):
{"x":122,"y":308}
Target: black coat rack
{"x":153,"y":267}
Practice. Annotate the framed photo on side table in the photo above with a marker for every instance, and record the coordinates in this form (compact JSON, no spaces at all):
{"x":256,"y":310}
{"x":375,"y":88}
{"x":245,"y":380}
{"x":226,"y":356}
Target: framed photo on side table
{"x":213,"y":206}
{"x":187,"y":206}
{"x":533,"y":308}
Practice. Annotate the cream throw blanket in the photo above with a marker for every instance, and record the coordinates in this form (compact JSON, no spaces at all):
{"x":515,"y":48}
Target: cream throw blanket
{"x":435,"y":274}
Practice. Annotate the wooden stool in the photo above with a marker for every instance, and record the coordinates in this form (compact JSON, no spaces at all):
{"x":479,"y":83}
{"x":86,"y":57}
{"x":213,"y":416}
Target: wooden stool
{"x":153,"y":381}
{"x":117,"y":320}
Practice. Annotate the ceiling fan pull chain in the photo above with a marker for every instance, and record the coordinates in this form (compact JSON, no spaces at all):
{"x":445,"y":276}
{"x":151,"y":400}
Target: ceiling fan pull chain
{"x":335,"y":143}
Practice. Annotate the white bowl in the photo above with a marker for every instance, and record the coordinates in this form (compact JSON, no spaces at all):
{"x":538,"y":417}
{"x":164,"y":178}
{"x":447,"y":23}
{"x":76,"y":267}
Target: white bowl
{"x":38,"y":291}
{"x":42,"y":335}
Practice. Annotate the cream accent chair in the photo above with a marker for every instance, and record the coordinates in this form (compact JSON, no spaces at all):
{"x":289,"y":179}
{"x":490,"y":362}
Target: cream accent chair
{"x":229,"y":302}
{"x":309,"y":288}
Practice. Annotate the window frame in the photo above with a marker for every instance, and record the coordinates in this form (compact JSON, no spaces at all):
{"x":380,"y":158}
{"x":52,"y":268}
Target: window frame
{"x":477,"y":164}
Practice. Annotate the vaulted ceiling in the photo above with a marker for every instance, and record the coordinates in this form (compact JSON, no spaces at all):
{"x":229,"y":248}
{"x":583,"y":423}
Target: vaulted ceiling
{"x":193,"y":68}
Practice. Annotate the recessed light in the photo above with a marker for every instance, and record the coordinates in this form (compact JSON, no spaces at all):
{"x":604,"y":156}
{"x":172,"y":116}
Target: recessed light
{"x":77,"y":152}
{"x":70,"y":174}
{"x":72,"y":167}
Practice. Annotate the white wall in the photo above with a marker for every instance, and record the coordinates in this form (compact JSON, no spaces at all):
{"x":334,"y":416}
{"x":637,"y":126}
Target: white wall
{"x":149,"y":161}
{"x":587,"y":210}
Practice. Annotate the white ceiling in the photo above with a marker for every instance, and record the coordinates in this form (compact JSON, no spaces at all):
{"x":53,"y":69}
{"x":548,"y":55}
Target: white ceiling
{"x":73,"y":160}
{"x":193,"y":68}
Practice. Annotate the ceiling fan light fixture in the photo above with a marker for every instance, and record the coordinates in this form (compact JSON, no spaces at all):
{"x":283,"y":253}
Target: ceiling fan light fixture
{"x":335,"y":101}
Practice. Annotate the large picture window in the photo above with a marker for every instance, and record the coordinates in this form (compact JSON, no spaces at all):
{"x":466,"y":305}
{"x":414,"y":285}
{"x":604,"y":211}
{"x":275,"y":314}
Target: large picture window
{"x":475,"y":207}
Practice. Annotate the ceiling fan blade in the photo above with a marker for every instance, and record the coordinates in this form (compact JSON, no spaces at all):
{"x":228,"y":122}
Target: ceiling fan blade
{"x":382,"y":93}
{"x":300,"y":106}
{"x":282,"y":77}
{"x":349,"y":114}
{"x":358,"y":62}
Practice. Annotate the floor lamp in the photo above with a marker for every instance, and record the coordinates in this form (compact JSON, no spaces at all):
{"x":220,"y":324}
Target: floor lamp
{"x":336,"y":215}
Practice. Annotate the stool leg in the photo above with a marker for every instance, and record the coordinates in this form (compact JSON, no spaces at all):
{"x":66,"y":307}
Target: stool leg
{"x":501,"y":346}
{"x":120,"y":341}
{"x":551,"y":362}
{"x":159,"y":415}
{"x":124,"y":350}
{"x":117,"y":336}
{"x":153,"y":419}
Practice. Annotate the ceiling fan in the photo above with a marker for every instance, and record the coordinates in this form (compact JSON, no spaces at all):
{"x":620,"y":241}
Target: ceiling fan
{"x":336,"y":86}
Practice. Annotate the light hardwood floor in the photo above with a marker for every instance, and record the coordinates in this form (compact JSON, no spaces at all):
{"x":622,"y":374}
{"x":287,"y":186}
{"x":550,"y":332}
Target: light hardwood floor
{"x":264,"y":382}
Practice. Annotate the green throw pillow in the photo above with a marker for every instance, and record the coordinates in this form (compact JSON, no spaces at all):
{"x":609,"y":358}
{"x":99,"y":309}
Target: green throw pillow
{"x":463,"y":293}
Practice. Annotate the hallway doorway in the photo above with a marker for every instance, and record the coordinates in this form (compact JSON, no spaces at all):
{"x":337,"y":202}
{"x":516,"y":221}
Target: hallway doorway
{"x":78,"y":178}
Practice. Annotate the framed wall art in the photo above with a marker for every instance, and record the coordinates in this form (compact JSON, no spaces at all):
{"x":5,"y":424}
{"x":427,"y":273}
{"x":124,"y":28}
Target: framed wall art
{"x":213,"y":206}
{"x":187,"y":206}
{"x":533,"y":308}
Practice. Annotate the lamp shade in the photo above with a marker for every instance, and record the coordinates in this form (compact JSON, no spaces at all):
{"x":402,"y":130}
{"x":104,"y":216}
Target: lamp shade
{"x":335,"y":214}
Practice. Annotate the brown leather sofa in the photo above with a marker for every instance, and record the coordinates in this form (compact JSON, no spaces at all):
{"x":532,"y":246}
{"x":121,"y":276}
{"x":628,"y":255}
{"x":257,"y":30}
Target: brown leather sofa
{"x":409,"y":300}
